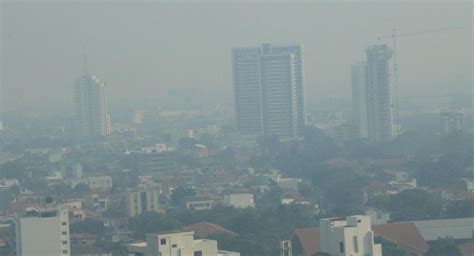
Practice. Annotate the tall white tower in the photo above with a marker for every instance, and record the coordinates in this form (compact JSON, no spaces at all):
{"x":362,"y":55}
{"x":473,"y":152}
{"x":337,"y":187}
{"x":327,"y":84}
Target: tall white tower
{"x":379,"y":100}
{"x":268,"y":90}
{"x":92,"y":116}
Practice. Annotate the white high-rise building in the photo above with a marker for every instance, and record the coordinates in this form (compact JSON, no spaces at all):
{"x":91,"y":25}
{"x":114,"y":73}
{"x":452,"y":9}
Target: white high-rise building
{"x":43,"y":232}
{"x":379,"y":100}
{"x":351,"y":236}
{"x":359,"y":98}
{"x":269,"y":91}
{"x":92,"y":116}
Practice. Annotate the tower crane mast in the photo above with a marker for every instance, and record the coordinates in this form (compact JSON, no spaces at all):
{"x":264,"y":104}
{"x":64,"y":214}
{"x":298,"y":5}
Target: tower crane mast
{"x":395,"y":35}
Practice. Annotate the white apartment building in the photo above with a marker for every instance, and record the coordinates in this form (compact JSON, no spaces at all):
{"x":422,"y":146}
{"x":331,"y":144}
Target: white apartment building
{"x":351,"y":236}
{"x":269,"y":90}
{"x":100,"y":183}
{"x":177,"y":243}
{"x":43,"y":232}
{"x":240,"y":200}
{"x":142,"y":200}
{"x":289,"y":184}
{"x":200,"y":203}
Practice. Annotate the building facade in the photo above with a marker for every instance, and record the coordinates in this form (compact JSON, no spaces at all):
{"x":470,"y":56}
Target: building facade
{"x":359,"y":98}
{"x":240,"y":200}
{"x":269,"y":91}
{"x":43,"y":232}
{"x":378,"y":94}
{"x":451,"y":122}
{"x":143,"y":200}
{"x":176,"y":244}
{"x":351,"y":236}
{"x":92,"y":116}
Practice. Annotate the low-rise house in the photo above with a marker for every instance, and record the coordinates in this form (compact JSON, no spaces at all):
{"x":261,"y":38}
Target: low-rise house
{"x":99,"y":183}
{"x":200,"y":203}
{"x":240,"y":200}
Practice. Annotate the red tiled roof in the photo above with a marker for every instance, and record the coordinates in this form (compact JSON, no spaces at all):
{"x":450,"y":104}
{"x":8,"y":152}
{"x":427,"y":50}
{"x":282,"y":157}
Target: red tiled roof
{"x":467,"y":249}
{"x":404,"y":233}
{"x":204,"y":229}
{"x":309,"y":239}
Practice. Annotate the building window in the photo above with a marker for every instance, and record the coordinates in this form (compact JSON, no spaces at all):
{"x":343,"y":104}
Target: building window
{"x":341,"y":247}
{"x":65,"y":251}
{"x":64,"y":233}
{"x":356,"y":246}
{"x":174,"y":246}
{"x":198,"y":253}
{"x":64,"y":242}
{"x":162,"y":241}
{"x":64,"y":223}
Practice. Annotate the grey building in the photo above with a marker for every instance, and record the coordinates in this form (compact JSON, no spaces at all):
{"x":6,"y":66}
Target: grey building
{"x":359,"y":98}
{"x":269,"y":91}
{"x":92,"y":116}
{"x":378,"y":91}
{"x":452,"y":122}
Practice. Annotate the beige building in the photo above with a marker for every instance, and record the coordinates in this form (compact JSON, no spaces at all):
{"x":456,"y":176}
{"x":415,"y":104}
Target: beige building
{"x":200,"y":203}
{"x":177,"y":243}
{"x":143,"y":200}
{"x":240,"y":200}
{"x":43,"y":232}
{"x":100,"y":183}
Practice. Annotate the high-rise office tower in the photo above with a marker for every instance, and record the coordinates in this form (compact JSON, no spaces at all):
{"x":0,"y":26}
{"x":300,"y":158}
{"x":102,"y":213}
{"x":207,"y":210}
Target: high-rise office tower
{"x":359,"y":98}
{"x":269,"y":91}
{"x":92,"y":117}
{"x":1,"y":106}
{"x":43,"y":232}
{"x":379,"y":101}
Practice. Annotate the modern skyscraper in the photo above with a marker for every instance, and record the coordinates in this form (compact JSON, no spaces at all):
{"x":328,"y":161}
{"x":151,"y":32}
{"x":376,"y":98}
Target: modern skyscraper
{"x":359,"y":98}
{"x":1,"y":106}
{"x":269,"y":91}
{"x":379,"y":101}
{"x":92,"y":116}
{"x":43,"y":232}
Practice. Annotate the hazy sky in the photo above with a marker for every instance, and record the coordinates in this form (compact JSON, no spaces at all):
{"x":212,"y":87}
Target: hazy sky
{"x":140,"y":49}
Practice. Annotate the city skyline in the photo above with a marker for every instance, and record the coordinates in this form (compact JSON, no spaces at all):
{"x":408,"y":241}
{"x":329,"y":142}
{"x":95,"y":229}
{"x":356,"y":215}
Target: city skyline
{"x":148,"y":66}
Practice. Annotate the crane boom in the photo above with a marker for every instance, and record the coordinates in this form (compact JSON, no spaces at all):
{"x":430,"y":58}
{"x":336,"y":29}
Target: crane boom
{"x":395,"y":36}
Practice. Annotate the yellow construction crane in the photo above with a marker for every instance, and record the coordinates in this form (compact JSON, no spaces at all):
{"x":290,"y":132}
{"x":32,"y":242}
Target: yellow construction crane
{"x":395,"y":35}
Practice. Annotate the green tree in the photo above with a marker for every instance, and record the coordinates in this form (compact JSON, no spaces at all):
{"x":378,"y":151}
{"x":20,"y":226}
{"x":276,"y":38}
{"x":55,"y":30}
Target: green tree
{"x":444,"y":247}
{"x":90,"y":226}
{"x":460,"y":209}
{"x":119,"y":249}
{"x":415,"y":204}
{"x":179,"y":194}
{"x":151,"y":222}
